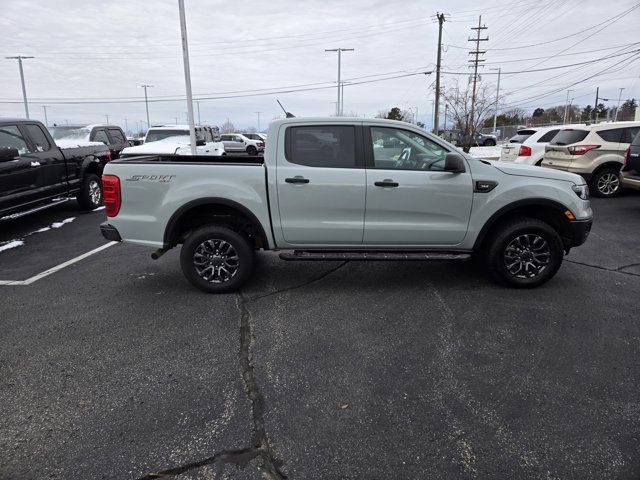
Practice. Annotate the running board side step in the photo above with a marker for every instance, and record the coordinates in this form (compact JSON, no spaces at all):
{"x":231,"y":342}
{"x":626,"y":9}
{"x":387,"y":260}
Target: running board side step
{"x":302,"y":256}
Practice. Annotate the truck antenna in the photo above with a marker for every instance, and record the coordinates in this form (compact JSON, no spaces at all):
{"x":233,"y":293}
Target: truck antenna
{"x":288,"y":114}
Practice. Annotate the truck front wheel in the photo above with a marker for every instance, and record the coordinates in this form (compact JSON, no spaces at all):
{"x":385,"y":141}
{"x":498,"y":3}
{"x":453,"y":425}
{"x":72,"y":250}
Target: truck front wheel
{"x":524,"y":253}
{"x":216,"y":259}
{"x":90,"y":196}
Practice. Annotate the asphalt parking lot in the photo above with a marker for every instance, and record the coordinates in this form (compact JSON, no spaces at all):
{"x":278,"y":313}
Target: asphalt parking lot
{"x":115,"y":367}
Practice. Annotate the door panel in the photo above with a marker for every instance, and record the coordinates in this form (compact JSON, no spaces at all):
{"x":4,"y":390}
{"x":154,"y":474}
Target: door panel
{"x":52,"y":170}
{"x":411,"y":200}
{"x":321,"y":198}
{"x":18,"y":177}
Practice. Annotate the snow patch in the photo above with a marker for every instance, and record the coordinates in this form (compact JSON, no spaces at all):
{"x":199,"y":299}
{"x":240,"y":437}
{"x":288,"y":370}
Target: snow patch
{"x":60,"y":224}
{"x":11,"y":244}
{"x":43,"y":229}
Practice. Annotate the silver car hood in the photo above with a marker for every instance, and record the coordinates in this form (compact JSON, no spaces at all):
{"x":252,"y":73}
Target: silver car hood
{"x":537,"y":172}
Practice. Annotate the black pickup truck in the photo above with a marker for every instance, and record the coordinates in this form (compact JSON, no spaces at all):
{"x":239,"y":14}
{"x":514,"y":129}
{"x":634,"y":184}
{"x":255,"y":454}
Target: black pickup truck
{"x":35,"y":173}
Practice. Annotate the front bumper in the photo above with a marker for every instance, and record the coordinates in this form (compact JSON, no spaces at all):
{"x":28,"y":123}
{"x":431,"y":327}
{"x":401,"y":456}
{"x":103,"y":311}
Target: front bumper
{"x":110,"y":232}
{"x":579,"y":231}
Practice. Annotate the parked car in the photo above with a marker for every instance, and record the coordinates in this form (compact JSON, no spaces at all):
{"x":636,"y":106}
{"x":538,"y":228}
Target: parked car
{"x":594,"y":151}
{"x":237,"y":142}
{"x":457,"y":137}
{"x":110,"y":135}
{"x":355,"y":196}
{"x":527,"y":146}
{"x":35,"y":173}
{"x":260,"y":137}
{"x":630,"y":172}
{"x":175,"y":140}
{"x":485,"y":140}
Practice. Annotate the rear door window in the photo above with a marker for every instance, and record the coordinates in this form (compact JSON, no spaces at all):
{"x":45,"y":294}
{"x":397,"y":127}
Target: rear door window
{"x":100,"y":136}
{"x":321,"y":146}
{"x":614,"y":135}
{"x":630,"y":134}
{"x":567,"y":137}
{"x":38,"y":138}
{"x":547,"y":137}
{"x":636,"y":140}
{"x":116,"y":136}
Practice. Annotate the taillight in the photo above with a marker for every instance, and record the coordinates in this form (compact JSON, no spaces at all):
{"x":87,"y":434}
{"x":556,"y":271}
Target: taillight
{"x":524,"y":151}
{"x":108,"y":155}
{"x":111,"y":194}
{"x":581,"y":149}
{"x":626,"y":155}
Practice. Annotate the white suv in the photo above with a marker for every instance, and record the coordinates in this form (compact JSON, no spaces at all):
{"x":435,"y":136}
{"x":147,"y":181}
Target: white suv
{"x":237,"y":142}
{"x":594,"y":151}
{"x":527,"y":146}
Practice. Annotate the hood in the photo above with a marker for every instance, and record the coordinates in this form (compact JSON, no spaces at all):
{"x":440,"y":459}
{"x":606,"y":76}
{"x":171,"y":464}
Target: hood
{"x":71,"y":143}
{"x":537,"y":172}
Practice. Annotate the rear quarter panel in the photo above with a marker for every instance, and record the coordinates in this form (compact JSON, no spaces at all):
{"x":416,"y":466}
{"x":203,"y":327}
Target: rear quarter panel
{"x":152,"y":193}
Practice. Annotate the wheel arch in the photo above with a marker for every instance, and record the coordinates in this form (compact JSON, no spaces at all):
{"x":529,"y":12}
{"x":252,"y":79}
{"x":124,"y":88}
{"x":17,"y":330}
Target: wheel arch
{"x":548,"y":211}
{"x":214,"y":210}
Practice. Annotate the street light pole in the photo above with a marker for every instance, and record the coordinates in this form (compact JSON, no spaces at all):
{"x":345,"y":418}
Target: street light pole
{"x":187,"y":75}
{"x":198,"y":104}
{"x":107,"y":116}
{"x":495,"y":113}
{"x":615,"y":118}
{"x":46,"y":120}
{"x":258,"y":120}
{"x":339,"y":105}
{"x":24,"y":89}
{"x":146,"y":102}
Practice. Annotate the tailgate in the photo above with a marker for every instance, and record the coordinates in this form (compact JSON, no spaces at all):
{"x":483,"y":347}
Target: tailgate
{"x":557,"y":156}
{"x":509,"y":152}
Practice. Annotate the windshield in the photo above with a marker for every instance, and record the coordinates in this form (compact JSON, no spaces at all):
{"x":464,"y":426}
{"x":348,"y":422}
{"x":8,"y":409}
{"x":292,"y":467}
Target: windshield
{"x":71,"y":133}
{"x":567,"y":137}
{"x":155,"y":135}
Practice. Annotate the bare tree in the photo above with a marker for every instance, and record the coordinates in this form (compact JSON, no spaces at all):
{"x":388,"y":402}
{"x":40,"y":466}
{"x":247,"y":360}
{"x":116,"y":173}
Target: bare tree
{"x":227,"y":127}
{"x":459,"y":102}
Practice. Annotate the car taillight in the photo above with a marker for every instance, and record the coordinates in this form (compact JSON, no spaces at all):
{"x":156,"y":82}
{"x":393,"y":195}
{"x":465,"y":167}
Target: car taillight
{"x":626,"y":155}
{"x":108,"y":155}
{"x":111,"y":194}
{"x":524,"y":151}
{"x":581,"y":149}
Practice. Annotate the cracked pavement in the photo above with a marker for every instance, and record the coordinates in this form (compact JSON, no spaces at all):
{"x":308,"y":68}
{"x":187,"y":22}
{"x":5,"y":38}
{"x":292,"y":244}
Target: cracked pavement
{"x":116,"y":368}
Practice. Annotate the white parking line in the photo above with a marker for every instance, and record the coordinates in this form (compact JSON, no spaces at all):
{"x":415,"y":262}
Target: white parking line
{"x":57,"y":268}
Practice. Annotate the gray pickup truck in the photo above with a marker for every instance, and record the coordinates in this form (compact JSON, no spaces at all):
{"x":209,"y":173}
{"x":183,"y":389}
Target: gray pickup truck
{"x":347,"y":189}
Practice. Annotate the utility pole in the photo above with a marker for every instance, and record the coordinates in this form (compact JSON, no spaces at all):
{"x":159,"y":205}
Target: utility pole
{"x":615,"y":118}
{"x":595,"y":105}
{"x":126,"y":127}
{"x":446,"y":108}
{"x":495,"y":113}
{"x":146,"y":102}
{"x":441,"y":20}
{"x":258,"y":120}
{"x":46,"y":120}
{"x":339,"y":50}
{"x":187,"y":75}
{"x":566,"y":107}
{"x":24,"y":89}
{"x":176,"y":119}
{"x":198,"y":104}
{"x":107,"y":117}
{"x":477,"y":52}
{"x":433,"y":114}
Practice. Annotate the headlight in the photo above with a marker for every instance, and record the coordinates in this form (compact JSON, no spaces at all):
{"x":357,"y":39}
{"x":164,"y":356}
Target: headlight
{"x":581,"y":190}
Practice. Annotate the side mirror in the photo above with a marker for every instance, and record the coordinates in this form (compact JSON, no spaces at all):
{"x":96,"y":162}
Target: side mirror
{"x":8,"y":153}
{"x":200,"y":143}
{"x":454,"y":163}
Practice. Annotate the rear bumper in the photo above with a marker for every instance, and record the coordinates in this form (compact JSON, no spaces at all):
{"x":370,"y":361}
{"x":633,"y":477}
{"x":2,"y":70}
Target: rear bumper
{"x":629,"y":181}
{"x":110,"y":232}
{"x":579,"y":231}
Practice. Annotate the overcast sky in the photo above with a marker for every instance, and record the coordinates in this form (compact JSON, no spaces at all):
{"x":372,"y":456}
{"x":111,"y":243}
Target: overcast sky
{"x":88,"y":50}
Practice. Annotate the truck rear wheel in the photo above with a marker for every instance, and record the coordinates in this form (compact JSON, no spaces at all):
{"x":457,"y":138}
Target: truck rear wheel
{"x":524,"y":253}
{"x":216,"y":259}
{"x":90,"y":196}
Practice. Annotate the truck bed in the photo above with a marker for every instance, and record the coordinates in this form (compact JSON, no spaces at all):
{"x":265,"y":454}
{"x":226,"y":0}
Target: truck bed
{"x":195,"y":159}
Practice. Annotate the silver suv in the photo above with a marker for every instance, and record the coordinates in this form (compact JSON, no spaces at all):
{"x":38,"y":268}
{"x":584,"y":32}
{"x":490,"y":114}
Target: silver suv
{"x":594,"y":151}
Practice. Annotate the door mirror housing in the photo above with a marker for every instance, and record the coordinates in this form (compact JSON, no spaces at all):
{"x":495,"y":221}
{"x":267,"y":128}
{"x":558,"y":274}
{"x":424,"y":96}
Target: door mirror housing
{"x":454,"y":163}
{"x":8,"y":153}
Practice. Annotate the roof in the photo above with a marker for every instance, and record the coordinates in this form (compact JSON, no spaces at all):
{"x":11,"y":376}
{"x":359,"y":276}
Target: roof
{"x":176,"y":127}
{"x":17,"y":120}
{"x":346,"y":120}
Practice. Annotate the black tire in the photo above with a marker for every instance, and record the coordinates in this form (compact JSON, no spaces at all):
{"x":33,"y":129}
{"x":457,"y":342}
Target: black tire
{"x":527,"y":241}
{"x":90,"y":196}
{"x":490,"y":142}
{"x":251,"y":150}
{"x":208,"y":246}
{"x":605,"y":183}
